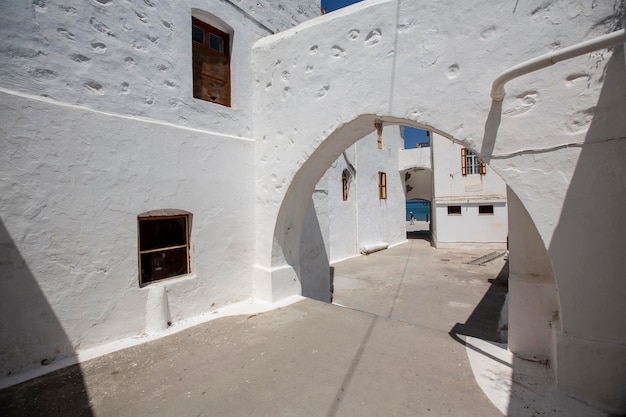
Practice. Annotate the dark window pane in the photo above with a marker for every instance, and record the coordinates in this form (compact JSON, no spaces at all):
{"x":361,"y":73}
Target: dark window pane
{"x":454,"y":209}
{"x":216,"y":43}
{"x":162,"y":233}
{"x":197,"y":34}
{"x":164,"y":264}
{"x":485,"y":209}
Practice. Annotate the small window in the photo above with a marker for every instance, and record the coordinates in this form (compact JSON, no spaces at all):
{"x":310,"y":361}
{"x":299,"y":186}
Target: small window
{"x":454,"y":210}
{"x":197,"y":34}
{"x":216,"y":43}
{"x":163,"y":247}
{"x":470,"y":164}
{"x":379,"y":134}
{"x":485,"y":209}
{"x":211,"y":63}
{"x":382,"y":185}
{"x":345,"y":181}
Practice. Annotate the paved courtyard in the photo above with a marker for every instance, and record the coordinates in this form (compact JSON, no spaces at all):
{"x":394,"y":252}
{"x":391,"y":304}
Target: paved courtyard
{"x":393,"y":344}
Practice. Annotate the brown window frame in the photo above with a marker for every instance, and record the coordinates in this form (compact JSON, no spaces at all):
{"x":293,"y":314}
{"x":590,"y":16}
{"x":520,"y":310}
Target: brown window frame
{"x":452,"y":211}
{"x":382,"y":185}
{"x":345,"y":181}
{"x":471,"y":168}
{"x":147,"y":272}
{"x":485,"y":210}
{"x":203,"y":72}
{"x":379,"y":134}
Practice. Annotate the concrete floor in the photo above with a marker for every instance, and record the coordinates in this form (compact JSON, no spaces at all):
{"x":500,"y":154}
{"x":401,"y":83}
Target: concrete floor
{"x":395,"y":347}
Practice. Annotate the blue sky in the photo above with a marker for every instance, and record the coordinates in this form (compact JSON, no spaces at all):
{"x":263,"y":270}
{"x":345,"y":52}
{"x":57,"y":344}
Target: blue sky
{"x":336,"y":4}
{"x":411,"y":136}
{"x":414,"y":136}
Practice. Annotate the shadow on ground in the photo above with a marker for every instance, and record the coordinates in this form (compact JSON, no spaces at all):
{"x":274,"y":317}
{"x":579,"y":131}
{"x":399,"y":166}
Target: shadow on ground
{"x":419,"y":234}
{"x":484,"y":322}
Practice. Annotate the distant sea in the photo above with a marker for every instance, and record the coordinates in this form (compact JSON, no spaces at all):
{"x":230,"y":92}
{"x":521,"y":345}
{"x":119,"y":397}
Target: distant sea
{"x":420,"y":208}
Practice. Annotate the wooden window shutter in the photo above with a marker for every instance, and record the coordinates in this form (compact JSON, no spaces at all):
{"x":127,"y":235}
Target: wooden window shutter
{"x":211,"y":63}
{"x":345,"y":178}
{"x":464,"y":161}
{"x":382,"y":185}
{"x":483,"y":168}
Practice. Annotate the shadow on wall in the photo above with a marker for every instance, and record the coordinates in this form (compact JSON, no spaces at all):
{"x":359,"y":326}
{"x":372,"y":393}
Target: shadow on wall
{"x":31,"y":335}
{"x":587,"y":251}
{"x":314,"y":266}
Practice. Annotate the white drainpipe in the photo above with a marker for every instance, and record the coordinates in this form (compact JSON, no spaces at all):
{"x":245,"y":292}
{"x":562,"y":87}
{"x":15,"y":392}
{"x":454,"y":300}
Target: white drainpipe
{"x":366,"y":250}
{"x":543,"y":61}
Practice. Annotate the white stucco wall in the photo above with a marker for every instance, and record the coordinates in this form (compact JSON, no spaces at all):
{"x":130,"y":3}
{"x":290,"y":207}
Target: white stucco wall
{"x":304,"y":96}
{"x":471,"y":229}
{"x":380,"y":221}
{"x":531,"y":324}
{"x":99,"y":125}
{"x":415,"y":158}
{"x":365,"y":219}
{"x":416,"y":166}
{"x":419,"y":185}
{"x":73,"y":182}
{"x":376,"y":59}
{"x":450,"y":184}
{"x":279,"y":15}
{"x":343,"y":215}
{"x":451,"y":188}
{"x":135,"y":58}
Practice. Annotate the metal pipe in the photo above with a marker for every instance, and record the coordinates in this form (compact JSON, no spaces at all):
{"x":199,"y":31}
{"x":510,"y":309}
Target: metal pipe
{"x":543,"y":61}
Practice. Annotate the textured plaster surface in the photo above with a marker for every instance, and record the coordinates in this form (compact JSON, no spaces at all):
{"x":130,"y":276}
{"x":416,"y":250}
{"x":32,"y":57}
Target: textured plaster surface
{"x":364,"y":219}
{"x":74,"y":181}
{"x":470,"y":229}
{"x":520,"y":388}
{"x":530,"y":278}
{"x":431,"y":66}
{"x":135,"y":58}
{"x":99,"y":125}
{"x":75,"y":176}
{"x":372,"y":51}
{"x":342,"y":242}
{"x":379,"y":220}
{"x":415,"y":158}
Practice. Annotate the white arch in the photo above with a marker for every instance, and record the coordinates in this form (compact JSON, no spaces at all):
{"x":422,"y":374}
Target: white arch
{"x":321,"y":85}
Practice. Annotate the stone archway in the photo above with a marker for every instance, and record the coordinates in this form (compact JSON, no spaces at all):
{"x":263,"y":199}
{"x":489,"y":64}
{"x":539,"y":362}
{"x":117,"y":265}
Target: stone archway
{"x":322,"y":84}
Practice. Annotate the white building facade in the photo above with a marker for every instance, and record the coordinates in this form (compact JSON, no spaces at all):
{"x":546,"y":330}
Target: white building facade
{"x":364,"y":197}
{"x":101,"y":135}
{"x":101,"y":130}
{"x":469,"y":200}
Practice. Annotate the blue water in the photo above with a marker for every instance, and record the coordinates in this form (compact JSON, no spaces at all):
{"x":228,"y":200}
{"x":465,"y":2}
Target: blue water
{"x":420,"y":208}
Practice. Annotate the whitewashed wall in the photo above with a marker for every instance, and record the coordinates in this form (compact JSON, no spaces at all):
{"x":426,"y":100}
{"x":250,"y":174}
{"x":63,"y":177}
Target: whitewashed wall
{"x":380,"y":221}
{"x":135,"y":58}
{"x":417,"y":163}
{"x":343,"y":215}
{"x":364,"y":219}
{"x":99,"y":125}
{"x":336,"y":74}
{"x":73,"y":182}
{"x":415,"y":158}
{"x":451,"y":188}
{"x":471,"y":230}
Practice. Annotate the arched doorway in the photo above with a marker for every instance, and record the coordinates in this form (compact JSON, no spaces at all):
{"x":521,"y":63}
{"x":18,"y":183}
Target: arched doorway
{"x":343,"y":72}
